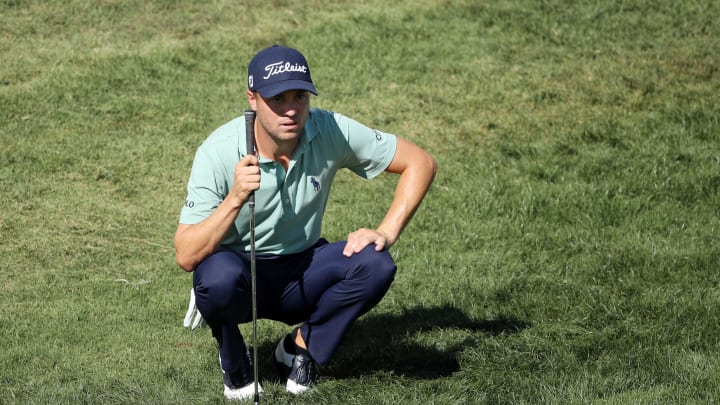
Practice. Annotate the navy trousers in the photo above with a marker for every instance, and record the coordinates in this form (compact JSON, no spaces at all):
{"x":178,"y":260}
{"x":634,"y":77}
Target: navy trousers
{"x":320,"y":288}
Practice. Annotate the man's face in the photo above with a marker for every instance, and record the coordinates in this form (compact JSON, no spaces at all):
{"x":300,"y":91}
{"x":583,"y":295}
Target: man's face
{"x":282,"y":117}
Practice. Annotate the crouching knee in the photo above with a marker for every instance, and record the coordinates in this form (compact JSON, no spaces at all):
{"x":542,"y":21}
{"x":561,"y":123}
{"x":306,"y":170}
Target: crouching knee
{"x":378,"y":269}
{"x":217,"y":282}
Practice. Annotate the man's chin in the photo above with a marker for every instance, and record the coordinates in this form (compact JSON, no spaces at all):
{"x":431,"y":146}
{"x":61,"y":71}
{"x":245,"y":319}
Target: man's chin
{"x":291,"y":133}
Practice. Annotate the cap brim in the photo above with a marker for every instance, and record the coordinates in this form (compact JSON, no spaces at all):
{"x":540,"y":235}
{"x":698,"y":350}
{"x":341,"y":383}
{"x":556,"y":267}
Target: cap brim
{"x":274,"y":89}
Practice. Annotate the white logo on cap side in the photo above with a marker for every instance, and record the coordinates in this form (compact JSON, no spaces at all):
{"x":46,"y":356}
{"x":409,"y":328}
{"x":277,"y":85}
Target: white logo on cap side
{"x":282,"y":67}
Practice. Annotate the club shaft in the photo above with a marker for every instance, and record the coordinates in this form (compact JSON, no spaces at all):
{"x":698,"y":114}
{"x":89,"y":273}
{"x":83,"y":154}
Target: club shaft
{"x":250,"y":143}
{"x":253,"y":274}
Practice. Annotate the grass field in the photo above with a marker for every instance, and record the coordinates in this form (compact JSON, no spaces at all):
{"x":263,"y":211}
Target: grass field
{"x":568,"y":251}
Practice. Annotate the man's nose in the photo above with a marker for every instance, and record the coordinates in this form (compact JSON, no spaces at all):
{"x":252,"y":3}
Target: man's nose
{"x":291,"y":108}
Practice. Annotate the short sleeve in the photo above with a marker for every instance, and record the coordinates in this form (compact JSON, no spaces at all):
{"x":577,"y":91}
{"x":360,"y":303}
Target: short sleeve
{"x":207,"y":187}
{"x":371,"y":150}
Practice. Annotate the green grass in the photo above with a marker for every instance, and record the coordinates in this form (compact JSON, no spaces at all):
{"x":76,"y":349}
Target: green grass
{"x":566,"y":253}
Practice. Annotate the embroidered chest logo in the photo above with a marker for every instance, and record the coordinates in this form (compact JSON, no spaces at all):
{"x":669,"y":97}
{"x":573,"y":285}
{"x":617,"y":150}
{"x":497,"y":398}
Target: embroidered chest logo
{"x":315,"y":183}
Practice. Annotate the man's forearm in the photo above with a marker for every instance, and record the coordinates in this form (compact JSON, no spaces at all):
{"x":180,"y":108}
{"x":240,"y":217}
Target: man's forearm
{"x":412,"y":186}
{"x":195,"y":242}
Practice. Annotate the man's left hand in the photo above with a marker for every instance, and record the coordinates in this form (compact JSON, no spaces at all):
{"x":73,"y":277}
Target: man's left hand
{"x":360,"y":239}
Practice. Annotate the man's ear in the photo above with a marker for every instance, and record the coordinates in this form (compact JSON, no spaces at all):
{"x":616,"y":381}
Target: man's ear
{"x":252,"y":100}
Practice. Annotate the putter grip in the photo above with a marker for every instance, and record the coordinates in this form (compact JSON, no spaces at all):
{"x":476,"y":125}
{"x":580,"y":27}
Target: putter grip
{"x":250,"y":140}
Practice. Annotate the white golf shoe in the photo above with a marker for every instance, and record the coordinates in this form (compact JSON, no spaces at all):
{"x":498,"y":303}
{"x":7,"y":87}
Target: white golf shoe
{"x":239,"y":384}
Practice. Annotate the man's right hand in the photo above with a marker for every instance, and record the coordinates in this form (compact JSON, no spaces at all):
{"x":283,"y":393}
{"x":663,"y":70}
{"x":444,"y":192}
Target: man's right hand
{"x":247,"y":179}
{"x":195,"y":242}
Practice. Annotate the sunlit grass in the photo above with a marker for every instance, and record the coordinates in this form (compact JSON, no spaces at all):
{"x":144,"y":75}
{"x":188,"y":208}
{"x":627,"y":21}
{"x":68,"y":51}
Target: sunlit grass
{"x":567,"y":252}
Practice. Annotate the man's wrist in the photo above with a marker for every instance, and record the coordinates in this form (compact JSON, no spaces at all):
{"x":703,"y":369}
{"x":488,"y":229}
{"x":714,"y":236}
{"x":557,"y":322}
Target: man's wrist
{"x":389,"y":241}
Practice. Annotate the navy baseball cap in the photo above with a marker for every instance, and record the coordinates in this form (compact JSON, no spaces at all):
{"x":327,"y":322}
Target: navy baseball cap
{"x":277,"y":69}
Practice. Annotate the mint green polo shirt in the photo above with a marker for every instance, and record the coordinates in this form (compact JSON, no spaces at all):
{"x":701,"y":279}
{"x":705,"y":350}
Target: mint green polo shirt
{"x":289,"y":206}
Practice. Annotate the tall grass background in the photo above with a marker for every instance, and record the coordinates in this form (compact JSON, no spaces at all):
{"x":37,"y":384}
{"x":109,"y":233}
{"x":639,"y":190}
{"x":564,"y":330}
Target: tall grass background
{"x":567,"y":251}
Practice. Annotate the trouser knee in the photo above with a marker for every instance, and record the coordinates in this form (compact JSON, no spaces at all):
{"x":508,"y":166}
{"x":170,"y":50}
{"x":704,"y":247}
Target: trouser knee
{"x":218,"y":282}
{"x":377,"y":274}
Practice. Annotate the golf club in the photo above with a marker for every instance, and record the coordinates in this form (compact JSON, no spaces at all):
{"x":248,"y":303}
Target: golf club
{"x":250,"y":142}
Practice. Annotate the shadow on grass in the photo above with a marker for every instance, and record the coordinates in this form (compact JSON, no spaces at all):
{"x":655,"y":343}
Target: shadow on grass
{"x":386,"y":342}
